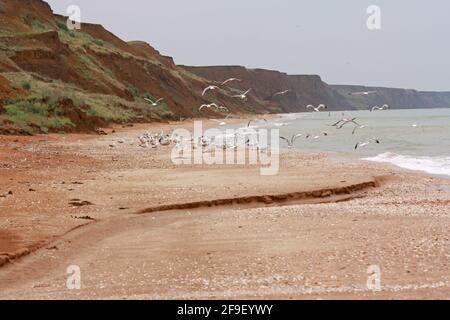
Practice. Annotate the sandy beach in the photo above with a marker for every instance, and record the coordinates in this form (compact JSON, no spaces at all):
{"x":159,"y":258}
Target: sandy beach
{"x":140,"y":227}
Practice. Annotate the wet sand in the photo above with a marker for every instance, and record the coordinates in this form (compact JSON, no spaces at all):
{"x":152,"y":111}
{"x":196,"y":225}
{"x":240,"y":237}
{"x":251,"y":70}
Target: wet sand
{"x":305,"y":233}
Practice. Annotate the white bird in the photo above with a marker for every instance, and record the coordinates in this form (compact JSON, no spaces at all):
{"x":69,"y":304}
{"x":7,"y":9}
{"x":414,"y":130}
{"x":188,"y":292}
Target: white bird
{"x":222,"y":122}
{"x":319,"y":107}
{"x":223,"y":108}
{"x":291,"y":141}
{"x":209,"y":88}
{"x":341,"y":123}
{"x":358,"y":127}
{"x":249,"y":123}
{"x":384,"y":107}
{"x":243,"y":96}
{"x":281,"y":93}
{"x":362,"y":93}
{"x":230,"y":80}
{"x":154,"y":103}
{"x":362,"y":144}
{"x":316,"y":136}
{"x":211,"y":105}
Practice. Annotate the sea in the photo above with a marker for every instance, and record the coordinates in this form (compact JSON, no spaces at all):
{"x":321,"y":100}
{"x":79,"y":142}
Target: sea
{"x":416,"y":139}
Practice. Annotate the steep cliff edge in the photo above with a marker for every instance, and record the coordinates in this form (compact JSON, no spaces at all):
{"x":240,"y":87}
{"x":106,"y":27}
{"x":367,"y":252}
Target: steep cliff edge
{"x":91,"y":74}
{"x":304,"y":89}
{"x":396,"y":98}
{"x":310,"y":89}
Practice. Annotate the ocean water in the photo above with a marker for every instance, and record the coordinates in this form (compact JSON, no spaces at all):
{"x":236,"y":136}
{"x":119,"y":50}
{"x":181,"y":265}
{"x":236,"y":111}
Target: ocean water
{"x":416,"y":139}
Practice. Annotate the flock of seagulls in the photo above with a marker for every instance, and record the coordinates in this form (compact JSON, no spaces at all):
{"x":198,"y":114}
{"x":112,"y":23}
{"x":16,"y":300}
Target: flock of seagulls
{"x":161,"y":139}
{"x":204,"y":143}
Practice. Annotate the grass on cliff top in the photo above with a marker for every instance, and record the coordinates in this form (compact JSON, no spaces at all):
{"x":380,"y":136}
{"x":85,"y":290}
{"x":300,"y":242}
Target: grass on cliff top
{"x":29,"y":113}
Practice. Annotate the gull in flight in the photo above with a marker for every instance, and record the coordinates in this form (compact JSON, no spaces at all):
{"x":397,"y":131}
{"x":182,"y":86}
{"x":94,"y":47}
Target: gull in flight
{"x":291,"y":141}
{"x":341,"y":123}
{"x":209,"y":88}
{"x":211,"y":105}
{"x":362,"y":144}
{"x":384,"y":107}
{"x":321,"y":106}
{"x":362,"y":93}
{"x":230,"y":80}
{"x":281,"y":93}
{"x":358,"y":127}
{"x":248,"y":125}
{"x":243,"y":96}
{"x":317,"y":136}
{"x":154,"y":103}
{"x":222,"y":122}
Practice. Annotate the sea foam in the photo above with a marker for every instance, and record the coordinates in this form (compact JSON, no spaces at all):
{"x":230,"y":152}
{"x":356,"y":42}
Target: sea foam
{"x":433,"y":165}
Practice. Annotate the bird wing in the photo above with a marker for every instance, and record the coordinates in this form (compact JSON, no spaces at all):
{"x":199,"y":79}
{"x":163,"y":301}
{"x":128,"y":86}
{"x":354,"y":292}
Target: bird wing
{"x":149,"y":100}
{"x":337,"y":123}
{"x":159,"y":100}
{"x":295,"y":137}
{"x":248,"y":91}
{"x":286,"y":139}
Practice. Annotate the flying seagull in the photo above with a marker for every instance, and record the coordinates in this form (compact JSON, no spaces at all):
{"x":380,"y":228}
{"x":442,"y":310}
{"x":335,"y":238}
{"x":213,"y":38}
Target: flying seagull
{"x":362,"y":144}
{"x":248,"y":124}
{"x":321,"y":106}
{"x":222,"y":122}
{"x":316,"y":136}
{"x":243,"y":96}
{"x":384,"y":107}
{"x":362,"y":93}
{"x":341,"y":123}
{"x":230,"y":80}
{"x":358,"y":127}
{"x":209,"y":88}
{"x":291,"y":141}
{"x":281,"y":93}
{"x":211,"y":105}
{"x":154,"y":103}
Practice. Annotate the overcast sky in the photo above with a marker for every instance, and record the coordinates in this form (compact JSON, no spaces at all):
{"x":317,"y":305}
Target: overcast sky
{"x":325,"y":37}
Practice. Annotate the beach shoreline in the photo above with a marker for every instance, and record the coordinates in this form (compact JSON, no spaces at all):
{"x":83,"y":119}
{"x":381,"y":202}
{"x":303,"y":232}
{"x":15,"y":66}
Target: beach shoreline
{"x":61,"y":183}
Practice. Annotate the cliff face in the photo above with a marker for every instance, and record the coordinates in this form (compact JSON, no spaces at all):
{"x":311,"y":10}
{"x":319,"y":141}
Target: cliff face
{"x":37,"y":50}
{"x":310,"y":89}
{"x":396,"y":98}
{"x":304,"y":89}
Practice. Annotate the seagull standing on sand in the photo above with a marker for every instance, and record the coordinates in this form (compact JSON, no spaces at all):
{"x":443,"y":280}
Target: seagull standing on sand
{"x":230,"y":80}
{"x":384,"y":107}
{"x":362,"y":144}
{"x":291,"y":141}
{"x":321,"y":106}
{"x":243,"y":96}
{"x":209,"y":88}
{"x":154,"y":103}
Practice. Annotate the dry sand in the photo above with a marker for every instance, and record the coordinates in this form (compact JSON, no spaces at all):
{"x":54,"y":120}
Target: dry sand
{"x":309,"y":232}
